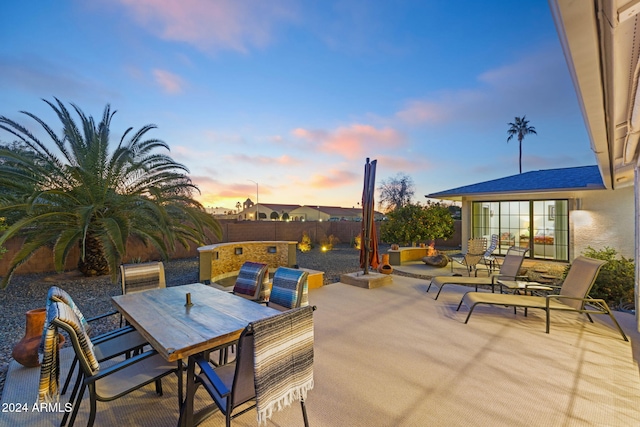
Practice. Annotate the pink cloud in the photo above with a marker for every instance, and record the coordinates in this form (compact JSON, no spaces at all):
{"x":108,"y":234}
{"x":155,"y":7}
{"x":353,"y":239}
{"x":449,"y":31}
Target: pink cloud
{"x":169,"y":82}
{"x":215,"y":192}
{"x":334,"y":178}
{"x":212,"y":25}
{"x":354,"y":141}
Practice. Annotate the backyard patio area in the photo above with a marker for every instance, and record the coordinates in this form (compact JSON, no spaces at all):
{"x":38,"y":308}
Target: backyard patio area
{"x":394,"y":356}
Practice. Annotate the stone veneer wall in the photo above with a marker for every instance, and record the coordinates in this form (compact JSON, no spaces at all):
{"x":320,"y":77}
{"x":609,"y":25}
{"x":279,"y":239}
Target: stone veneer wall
{"x":221,"y":260}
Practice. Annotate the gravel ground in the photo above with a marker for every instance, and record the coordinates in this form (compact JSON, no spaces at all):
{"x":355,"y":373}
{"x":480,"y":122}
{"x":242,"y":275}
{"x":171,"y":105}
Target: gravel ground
{"x":92,"y":295}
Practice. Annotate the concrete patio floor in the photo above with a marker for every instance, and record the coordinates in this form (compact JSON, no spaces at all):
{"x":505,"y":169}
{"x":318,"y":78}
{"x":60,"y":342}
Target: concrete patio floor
{"x":393,"y":356}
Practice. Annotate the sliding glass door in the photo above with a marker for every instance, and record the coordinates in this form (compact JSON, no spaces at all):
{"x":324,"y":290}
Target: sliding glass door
{"x":540,"y":225}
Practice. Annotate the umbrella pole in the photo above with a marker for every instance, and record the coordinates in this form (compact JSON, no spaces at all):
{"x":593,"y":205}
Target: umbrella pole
{"x":365,"y":221}
{"x":367,"y":211}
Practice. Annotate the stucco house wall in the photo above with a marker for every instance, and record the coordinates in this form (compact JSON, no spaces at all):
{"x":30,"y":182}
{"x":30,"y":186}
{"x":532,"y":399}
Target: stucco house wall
{"x":308,"y":214}
{"x":606,"y":218}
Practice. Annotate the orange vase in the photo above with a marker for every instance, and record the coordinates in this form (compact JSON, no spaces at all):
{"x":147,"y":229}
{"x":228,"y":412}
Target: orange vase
{"x":25,"y":351}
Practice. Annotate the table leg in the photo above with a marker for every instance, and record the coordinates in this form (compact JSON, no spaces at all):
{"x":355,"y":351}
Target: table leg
{"x":186,"y":411}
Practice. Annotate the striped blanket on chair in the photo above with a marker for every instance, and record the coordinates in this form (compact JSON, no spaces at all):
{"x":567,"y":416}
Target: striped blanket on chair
{"x":50,"y":368}
{"x":283,"y":360}
{"x":56,"y":294}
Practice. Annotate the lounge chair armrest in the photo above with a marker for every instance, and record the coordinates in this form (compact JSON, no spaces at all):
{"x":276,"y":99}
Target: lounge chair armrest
{"x":498,"y":276}
{"x":560,"y":296}
{"x":102,"y":316}
{"x":556,"y":296}
{"x":125,"y":363}
{"x":211,"y":375}
{"x":586,"y":299}
{"x":556,"y":288}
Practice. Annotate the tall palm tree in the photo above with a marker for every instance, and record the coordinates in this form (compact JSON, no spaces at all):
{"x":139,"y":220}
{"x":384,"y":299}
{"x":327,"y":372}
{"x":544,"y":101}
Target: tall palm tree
{"x":520,"y":129}
{"x":76,"y":192}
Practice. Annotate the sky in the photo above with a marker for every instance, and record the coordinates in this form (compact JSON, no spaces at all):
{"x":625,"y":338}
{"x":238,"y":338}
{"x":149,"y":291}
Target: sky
{"x":295,"y":95}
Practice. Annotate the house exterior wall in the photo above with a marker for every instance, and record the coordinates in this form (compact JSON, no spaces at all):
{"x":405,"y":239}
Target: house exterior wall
{"x":606,"y":218}
{"x":308,"y":214}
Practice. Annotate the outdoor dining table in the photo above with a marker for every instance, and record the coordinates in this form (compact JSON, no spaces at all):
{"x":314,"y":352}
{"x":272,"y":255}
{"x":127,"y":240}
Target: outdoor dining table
{"x":182,"y":321}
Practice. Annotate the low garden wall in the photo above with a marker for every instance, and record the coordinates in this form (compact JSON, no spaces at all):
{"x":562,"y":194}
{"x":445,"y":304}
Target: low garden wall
{"x":223,"y":259}
{"x":399,"y":256}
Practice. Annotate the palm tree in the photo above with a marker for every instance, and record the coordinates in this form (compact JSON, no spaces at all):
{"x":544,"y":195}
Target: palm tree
{"x":520,"y":128}
{"x":84,"y":195}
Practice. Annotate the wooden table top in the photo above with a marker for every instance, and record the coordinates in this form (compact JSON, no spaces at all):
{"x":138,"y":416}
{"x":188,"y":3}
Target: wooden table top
{"x":177,"y":331}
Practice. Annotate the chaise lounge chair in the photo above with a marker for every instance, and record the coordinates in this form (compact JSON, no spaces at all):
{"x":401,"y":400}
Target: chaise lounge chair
{"x":488,"y":258}
{"x":508,"y":271}
{"x":573,"y":295}
{"x":476,"y":247}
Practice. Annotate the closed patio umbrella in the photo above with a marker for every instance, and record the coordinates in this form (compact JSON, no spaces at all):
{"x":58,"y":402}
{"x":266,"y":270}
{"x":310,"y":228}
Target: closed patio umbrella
{"x":369,"y":241}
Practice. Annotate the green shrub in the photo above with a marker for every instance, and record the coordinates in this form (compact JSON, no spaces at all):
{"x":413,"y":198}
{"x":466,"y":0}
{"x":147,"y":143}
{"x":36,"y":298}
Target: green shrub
{"x":415,"y":223}
{"x":616,"y":280}
{"x":305,"y":244}
{"x":328,"y":243}
{"x":357,"y":241}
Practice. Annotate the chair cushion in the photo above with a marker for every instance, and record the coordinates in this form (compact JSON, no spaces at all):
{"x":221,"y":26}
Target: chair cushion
{"x":250,"y":277}
{"x":286,"y":287}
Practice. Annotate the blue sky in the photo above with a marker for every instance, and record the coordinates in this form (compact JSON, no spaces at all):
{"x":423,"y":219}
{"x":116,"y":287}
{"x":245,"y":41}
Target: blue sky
{"x":296,"y":94}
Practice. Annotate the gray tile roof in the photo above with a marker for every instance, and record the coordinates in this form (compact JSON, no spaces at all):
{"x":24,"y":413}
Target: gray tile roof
{"x":577,"y":178}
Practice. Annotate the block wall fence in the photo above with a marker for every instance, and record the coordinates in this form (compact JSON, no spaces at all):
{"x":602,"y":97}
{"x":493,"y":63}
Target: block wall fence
{"x":232,"y":231}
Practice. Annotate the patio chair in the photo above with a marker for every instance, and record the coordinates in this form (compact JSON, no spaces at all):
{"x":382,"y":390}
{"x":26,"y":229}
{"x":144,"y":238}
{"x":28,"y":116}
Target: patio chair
{"x":508,"y":271}
{"x":289,"y":289}
{"x":488,"y":258}
{"x":573,"y":295}
{"x":273,"y":368}
{"x":250,"y":283}
{"x":105,"y":346}
{"x":141,"y":277}
{"x":104,"y":383}
{"x":476,"y":248}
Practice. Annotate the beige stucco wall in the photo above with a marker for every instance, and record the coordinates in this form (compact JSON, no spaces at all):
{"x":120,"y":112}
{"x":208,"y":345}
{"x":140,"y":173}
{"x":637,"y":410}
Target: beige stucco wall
{"x":606,"y":219}
{"x":308,"y":213}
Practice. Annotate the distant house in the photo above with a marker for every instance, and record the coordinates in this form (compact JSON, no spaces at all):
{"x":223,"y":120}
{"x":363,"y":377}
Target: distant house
{"x":281,"y":212}
{"x":267,"y":211}
{"x":557,"y":213}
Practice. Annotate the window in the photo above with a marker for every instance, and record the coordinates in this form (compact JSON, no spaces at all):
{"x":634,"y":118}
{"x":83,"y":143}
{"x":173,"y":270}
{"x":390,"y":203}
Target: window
{"x":540,"y":225}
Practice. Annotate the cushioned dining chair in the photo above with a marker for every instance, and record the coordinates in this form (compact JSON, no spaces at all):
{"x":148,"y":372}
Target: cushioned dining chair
{"x":141,"y":277}
{"x":573,"y":295}
{"x":289,"y":289}
{"x":106,"y":345}
{"x":250,"y":282}
{"x":274,"y":367}
{"x":104,"y":383}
